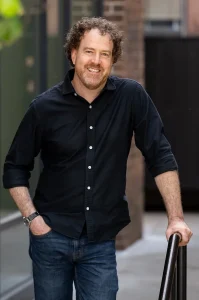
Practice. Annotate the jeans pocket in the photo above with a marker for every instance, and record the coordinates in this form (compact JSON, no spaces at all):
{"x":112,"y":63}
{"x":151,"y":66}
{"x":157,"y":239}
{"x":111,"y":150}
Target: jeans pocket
{"x":41,"y":235}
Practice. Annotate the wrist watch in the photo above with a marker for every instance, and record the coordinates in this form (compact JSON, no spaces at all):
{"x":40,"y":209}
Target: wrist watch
{"x":27,"y":220}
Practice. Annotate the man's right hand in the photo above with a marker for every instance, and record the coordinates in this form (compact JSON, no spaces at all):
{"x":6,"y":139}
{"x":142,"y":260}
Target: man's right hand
{"x":39,"y":227}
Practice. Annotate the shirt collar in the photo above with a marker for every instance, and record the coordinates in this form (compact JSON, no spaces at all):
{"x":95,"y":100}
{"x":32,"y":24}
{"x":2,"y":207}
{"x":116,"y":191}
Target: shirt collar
{"x":68,"y":87}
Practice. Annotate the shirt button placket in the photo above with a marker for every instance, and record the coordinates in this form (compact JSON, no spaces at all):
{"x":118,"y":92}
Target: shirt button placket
{"x":89,"y":166}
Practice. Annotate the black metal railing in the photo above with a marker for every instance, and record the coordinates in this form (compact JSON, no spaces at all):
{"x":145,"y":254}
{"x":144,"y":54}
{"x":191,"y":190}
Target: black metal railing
{"x":174,"y":278}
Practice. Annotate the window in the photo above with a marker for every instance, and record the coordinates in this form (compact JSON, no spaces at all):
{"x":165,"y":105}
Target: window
{"x":163,"y":17}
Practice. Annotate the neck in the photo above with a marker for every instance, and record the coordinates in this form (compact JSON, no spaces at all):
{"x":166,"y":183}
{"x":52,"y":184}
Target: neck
{"x":83,"y":91}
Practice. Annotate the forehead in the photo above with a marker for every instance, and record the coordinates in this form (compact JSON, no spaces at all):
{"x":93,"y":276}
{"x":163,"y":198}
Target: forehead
{"x":94,"y":39}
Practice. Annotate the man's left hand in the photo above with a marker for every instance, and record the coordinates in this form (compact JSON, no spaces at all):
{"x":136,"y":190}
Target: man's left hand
{"x":179,"y":226}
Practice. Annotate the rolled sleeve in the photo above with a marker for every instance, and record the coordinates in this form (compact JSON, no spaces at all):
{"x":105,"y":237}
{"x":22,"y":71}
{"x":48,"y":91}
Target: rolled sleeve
{"x":25,"y":147}
{"x":149,"y":135}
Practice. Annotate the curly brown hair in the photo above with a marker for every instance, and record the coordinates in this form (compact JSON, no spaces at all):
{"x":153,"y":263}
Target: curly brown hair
{"x":76,"y":33}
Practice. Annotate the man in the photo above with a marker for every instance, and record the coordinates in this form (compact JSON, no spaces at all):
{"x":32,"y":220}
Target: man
{"x":83,"y":129}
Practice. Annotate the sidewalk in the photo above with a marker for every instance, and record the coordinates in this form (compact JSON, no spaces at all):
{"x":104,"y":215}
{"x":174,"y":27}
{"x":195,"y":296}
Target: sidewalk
{"x":141,"y":265}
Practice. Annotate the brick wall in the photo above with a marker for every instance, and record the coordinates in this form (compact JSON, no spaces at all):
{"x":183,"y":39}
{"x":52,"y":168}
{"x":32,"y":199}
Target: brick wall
{"x":193,"y":17}
{"x":128,"y":14}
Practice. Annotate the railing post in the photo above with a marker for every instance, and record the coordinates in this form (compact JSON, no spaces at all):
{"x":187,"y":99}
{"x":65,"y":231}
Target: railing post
{"x":169,"y":267}
{"x":174,"y":285}
{"x":182,"y":273}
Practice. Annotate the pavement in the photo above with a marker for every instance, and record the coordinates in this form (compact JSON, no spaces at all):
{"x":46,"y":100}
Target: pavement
{"x":140,"y":266}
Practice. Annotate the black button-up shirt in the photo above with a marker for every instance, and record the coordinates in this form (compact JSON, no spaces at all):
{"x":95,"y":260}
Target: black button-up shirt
{"x":84,"y":149}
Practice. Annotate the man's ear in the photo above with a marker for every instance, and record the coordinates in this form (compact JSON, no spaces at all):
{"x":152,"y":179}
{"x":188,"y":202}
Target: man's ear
{"x":73,"y":55}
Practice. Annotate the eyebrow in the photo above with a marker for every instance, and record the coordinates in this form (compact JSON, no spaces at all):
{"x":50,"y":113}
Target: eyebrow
{"x":89,"y":48}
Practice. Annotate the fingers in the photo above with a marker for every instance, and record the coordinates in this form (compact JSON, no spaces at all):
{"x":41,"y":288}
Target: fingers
{"x":182,"y":230}
{"x":185,"y":238}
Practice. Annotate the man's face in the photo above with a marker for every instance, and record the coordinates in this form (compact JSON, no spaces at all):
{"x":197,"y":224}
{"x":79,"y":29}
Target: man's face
{"x":93,"y":59}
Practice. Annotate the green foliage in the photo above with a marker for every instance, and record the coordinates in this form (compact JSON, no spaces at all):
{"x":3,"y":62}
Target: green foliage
{"x":11,"y":28}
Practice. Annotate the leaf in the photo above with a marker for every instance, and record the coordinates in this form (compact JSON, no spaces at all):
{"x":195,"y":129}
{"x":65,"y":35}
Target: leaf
{"x":11,"y":8}
{"x":10,"y":31}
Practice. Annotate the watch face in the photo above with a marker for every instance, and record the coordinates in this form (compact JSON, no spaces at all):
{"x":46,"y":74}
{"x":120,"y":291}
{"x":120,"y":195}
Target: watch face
{"x":26,"y":221}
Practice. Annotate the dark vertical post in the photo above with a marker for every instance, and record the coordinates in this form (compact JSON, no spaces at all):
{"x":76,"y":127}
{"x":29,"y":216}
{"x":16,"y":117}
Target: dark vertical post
{"x":66,"y":24}
{"x":174,"y":286}
{"x":98,"y":8}
{"x":182,"y":273}
{"x":42,"y":47}
{"x":42,"y":53}
{"x":169,"y":268}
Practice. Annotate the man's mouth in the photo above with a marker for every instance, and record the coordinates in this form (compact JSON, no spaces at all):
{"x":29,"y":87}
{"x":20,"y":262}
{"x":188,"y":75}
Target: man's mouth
{"x":93,"y":70}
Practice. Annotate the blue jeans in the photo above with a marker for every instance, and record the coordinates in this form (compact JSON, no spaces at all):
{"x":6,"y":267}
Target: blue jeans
{"x":58,"y":261}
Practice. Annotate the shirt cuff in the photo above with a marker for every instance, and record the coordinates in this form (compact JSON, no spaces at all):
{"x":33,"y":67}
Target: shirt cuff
{"x":163,"y":165}
{"x":14,"y":178}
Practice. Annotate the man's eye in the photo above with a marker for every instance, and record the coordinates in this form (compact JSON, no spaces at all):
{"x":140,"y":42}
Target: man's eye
{"x":105,"y":54}
{"x":88,"y":51}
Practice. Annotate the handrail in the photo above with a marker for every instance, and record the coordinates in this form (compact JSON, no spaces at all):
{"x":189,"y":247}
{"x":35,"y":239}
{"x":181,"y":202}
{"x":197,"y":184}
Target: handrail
{"x":174,"y":278}
{"x":10,"y":220}
{"x":182,"y":274}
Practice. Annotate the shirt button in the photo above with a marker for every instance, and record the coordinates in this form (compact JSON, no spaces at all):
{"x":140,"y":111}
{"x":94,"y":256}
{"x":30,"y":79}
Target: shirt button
{"x":90,"y":106}
{"x":91,"y":127}
{"x":88,"y":187}
{"x":90,"y":147}
{"x":89,"y":167}
{"x":75,"y":94}
{"x":87,"y":208}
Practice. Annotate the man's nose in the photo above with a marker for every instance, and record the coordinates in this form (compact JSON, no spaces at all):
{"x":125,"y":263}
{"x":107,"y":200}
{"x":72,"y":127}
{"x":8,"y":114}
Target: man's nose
{"x":96,"y":59}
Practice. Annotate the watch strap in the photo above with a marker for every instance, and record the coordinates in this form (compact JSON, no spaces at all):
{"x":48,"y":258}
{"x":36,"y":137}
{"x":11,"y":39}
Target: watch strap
{"x":32,"y":216}
{"x":28,"y":220}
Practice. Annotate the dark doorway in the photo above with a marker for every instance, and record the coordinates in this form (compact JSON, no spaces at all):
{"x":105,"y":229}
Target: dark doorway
{"x":172,"y":81}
